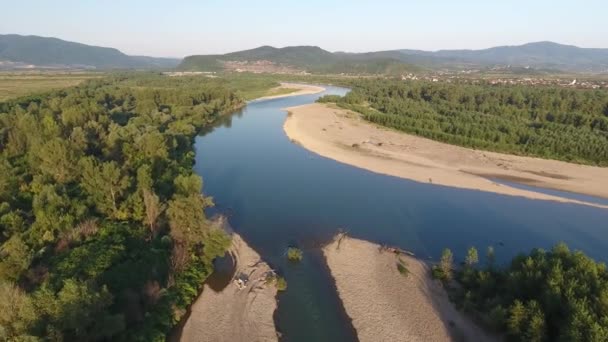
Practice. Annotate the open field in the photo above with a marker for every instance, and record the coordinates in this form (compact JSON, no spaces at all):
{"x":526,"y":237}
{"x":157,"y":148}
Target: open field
{"x":16,"y":84}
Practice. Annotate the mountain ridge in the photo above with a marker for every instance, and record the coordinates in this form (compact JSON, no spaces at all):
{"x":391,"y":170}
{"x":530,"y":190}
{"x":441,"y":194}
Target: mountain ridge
{"x":303,"y":58}
{"x":537,"y":55}
{"x":19,"y":51}
{"x":54,"y":52}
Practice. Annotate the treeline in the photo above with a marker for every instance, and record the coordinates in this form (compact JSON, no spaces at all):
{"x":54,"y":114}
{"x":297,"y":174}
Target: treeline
{"x":102,"y":229}
{"x":548,"y":122}
{"x":555,"y":295}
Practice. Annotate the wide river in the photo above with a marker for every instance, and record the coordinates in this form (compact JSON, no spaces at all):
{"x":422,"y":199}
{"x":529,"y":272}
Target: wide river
{"x":278,"y":194}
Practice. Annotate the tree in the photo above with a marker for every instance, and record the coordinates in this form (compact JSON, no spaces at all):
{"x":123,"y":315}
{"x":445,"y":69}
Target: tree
{"x":77,"y":312}
{"x":517,"y":317}
{"x":105,"y":184}
{"x":446,"y":263}
{"x":472,"y":258}
{"x":16,"y":313}
{"x":491,"y":257}
{"x":55,"y":212}
{"x":186,"y":219}
{"x":153,"y":210}
{"x":188,"y":185}
{"x":8,"y":180}
{"x":57,"y":159}
{"x":535,"y":323}
{"x":216,"y":244}
{"x":16,"y":258}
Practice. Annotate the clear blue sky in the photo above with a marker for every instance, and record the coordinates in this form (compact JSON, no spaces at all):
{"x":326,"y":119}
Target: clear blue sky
{"x":183,"y":27}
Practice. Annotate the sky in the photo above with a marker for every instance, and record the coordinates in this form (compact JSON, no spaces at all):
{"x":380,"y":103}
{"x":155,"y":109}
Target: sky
{"x":184,"y":27}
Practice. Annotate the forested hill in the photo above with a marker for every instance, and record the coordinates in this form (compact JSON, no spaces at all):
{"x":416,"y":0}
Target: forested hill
{"x":294,"y":59}
{"x":17,"y":50}
{"x":540,"y":56}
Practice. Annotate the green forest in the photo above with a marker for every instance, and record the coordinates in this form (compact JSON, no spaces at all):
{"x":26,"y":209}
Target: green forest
{"x":547,"y":122}
{"x":556,"y":295}
{"x":102,"y":228}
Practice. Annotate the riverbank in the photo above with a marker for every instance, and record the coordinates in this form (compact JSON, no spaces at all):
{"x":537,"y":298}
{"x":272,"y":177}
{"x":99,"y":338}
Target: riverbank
{"x":236,"y":314}
{"x":386,"y":305}
{"x":345,"y":137}
{"x":291,"y":89}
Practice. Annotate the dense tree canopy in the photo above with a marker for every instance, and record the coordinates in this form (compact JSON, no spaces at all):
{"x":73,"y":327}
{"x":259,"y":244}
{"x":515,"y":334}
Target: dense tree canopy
{"x":548,"y":122}
{"x":101,"y":217}
{"x":555,"y":295}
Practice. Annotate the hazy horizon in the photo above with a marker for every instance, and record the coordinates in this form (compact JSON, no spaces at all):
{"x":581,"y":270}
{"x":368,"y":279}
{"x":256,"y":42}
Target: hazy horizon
{"x":155,"y":28}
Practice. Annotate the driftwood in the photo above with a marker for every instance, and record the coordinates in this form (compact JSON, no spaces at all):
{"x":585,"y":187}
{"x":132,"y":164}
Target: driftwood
{"x":396,"y":250}
{"x":341,"y":236}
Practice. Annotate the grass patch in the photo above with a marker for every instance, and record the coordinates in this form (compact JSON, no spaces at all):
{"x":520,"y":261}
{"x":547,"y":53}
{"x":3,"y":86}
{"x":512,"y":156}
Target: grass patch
{"x":17,"y":84}
{"x":402,"y":268}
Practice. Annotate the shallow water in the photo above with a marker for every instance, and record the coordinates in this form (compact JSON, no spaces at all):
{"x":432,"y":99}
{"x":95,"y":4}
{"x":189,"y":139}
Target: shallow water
{"x":277,"y":194}
{"x":553,"y":192}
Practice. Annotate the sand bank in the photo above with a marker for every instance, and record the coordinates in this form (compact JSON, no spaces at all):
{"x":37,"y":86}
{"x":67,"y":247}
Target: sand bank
{"x":345,"y":137}
{"x":300,"y":89}
{"x":234,"y":314}
{"x":385,"y":305}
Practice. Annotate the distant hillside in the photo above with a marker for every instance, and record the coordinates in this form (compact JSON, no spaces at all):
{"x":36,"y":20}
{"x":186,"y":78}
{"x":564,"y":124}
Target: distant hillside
{"x":52,"y":52}
{"x":294,"y":59}
{"x":534,"y":56}
{"x":540,"y":55}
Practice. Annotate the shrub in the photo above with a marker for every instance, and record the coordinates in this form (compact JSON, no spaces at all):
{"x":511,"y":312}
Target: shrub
{"x":401,"y":267}
{"x":281,"y":284}
{"x":438,"y":273}
{"x":294,"y":254}
{"x":329,"y":98}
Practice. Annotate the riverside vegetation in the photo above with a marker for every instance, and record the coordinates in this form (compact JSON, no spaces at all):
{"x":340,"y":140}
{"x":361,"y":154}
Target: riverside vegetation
{"x":555,"y":295}
{"x":548,"y":122}
{"x":102,"y":229}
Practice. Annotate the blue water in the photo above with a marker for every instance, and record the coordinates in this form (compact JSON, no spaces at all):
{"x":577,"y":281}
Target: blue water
{"x":279,"y":194}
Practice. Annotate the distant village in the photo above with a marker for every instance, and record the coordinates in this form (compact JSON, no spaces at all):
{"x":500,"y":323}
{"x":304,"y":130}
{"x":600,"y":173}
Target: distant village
{"x":480,"y":78}
{"x":463,"y":76}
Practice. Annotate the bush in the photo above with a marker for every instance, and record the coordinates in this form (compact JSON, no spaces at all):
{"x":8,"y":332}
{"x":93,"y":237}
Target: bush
{"x":329,"y":98}
{"x":281,"y":284}
{"x":438,"y":273}
{"x":294,"y":254}
{"x":401,"y":267}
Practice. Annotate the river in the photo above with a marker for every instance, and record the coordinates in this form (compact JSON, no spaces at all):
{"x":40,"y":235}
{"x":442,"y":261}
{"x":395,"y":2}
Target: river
{"x":277,"y":194}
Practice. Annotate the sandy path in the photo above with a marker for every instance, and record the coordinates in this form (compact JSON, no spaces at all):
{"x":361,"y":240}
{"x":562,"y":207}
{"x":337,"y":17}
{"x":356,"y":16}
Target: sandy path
{"x":385,"y":305}
{"x":303,"y":89}
{"x":234,"y":315}
{"x":343,"y":136}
